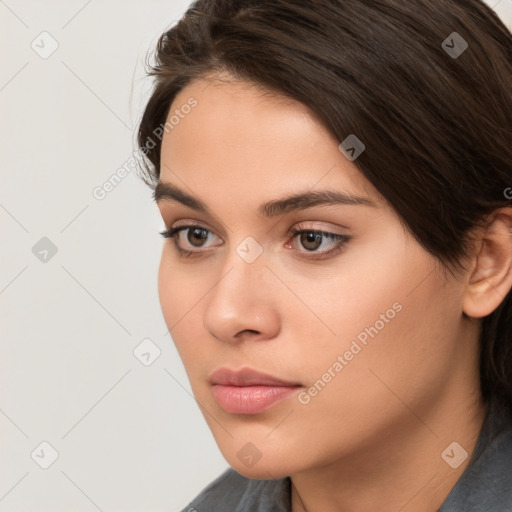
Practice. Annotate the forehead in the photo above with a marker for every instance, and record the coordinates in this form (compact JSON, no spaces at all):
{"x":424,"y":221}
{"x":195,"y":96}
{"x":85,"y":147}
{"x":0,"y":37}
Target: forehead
{"x":242,"y":138}
{"x":235,"y":112}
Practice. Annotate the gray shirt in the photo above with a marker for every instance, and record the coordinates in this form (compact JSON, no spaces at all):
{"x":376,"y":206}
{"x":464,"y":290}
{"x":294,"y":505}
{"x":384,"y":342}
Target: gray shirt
{"x":485,"y":485}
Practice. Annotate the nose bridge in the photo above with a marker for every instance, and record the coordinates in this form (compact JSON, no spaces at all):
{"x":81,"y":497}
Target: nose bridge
{"x":241,"y":298}
{"x":244,"y":272}
{"x":247,"y":257}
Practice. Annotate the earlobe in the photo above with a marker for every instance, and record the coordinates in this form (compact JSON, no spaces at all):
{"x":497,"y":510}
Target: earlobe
{"x":490,"y":279}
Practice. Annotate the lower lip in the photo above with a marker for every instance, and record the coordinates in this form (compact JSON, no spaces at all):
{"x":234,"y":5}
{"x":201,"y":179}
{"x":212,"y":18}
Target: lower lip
{"x":250,"y":399}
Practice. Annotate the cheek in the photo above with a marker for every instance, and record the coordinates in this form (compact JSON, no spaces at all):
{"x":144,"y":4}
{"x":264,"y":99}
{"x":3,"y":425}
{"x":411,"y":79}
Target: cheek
{"x":396,"y":347}
{"x":358,"y":297}
{"x":391,"y":319}
{"x":403,"y":365}
{"x":169,"y":289}
{"x":180,"y":293}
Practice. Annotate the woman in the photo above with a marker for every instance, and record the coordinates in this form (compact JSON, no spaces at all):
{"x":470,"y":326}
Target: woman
{"x":335,"y":180}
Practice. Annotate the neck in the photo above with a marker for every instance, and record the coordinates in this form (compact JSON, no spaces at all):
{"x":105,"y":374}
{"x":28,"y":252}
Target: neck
{"x":402,"y":470}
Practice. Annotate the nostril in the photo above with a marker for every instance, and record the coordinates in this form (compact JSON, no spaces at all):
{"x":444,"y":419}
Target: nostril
{"x":242,"y":333}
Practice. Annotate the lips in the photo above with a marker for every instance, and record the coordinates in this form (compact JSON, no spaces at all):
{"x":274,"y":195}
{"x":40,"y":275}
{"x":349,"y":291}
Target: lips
{"x":248,"y":391}
{"x":247,"y":377}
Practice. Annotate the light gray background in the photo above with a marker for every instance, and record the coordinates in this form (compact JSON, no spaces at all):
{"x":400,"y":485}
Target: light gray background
{"x":129,"y":437}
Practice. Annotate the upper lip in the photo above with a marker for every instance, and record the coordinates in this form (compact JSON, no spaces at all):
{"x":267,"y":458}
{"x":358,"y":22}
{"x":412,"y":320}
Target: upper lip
{"x":247,"y":377}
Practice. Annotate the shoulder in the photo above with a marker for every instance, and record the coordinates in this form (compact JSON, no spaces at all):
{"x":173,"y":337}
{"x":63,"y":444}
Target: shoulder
{"x":236,"y":493}
{"x":486,"y":485}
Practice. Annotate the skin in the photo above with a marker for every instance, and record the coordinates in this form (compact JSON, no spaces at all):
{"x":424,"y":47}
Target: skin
{"x":372,"y":438}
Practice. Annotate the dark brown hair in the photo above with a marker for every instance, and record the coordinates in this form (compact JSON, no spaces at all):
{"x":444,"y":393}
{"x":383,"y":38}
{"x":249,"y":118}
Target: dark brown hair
{"x":437,"y":125}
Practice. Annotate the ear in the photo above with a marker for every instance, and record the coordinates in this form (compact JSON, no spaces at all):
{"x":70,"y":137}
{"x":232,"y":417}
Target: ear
{"x":490,"y":278}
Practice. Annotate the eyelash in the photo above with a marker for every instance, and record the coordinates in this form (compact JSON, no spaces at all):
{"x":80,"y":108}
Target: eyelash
{"x":342,"y":240}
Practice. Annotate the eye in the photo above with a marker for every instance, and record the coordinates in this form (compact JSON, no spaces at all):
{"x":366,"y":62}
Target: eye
{"x":313,"y":239}
{"x":194,"y":235}
{"x":310,"y":239}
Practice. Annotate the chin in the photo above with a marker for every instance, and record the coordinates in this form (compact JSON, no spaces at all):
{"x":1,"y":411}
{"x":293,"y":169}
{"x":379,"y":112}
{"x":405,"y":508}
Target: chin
{"x":264,"y":464}
{"x":261,"y":470}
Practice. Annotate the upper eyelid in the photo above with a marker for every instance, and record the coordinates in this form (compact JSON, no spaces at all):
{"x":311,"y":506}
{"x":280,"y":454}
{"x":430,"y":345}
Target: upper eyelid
{"x":184,"y":227}
{"x":197,"y":223}
{"x":298,"y":227}
{"x":178,"y":229}
{"x":167,"y":208}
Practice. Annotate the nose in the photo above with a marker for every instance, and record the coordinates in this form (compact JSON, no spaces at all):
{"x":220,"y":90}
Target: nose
{"x":243,"y":303}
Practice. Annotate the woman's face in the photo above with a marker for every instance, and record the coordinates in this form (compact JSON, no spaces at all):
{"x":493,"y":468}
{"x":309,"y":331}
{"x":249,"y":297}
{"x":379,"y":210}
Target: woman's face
{"x":361,"y":322}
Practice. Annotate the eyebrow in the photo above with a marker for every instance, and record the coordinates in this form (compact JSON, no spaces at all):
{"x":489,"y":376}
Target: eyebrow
{"x":274,"y":208}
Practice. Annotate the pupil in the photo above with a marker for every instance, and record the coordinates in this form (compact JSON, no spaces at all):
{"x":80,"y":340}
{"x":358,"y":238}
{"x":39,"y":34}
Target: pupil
{"x":198,"y":234}
{"x":312,"y":238}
